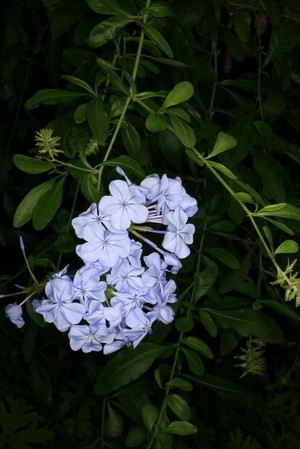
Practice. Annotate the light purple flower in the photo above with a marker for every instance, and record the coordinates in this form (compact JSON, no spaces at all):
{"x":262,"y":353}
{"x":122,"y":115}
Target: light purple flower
{"x":140,"y":325}
{"x":59,"y":307}
{"x":154,"y":187}
{"x":125,"y":276}
{"x":91,"y":215}
{"x":124,"y":205}
{"x":156,"y":272}
{"x":89,"y":338}
{"x":103,"y":246}
{"x":87,"y":285}
{"x":178,"y":233}
{"x":14,"y":313}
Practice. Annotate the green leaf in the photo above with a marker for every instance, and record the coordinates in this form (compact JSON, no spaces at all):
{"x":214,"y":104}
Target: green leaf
{"x":48,"y":205}
{"x":283,"y":210}
{"x":181,"y":113}
{"x":179,"y":383}
{"x":199,"y":346}
{"x":284,"y":38}
{"x":80,"y":83}
{"x":270,"y":172}
{"x":51,"y":97}
{"x":131,"y":140}
{"x":287,"y":247}
{"x":266,"y":133}
{"x":98,"y":120}
{"x":80,"y":114}
{"x":194,"y":361}
{"x":155,"y":123}
{"x":225,"y":257}
{"x":89,"y":188}
{"x":242,"y":25}
{"x":244,"y":132}
{"x":182,"y":428}
{"x":184,"y":324}
{"x":223,"y":143}
{"x":226,"y":387}
{"x":117,"y":82}
{"x":280,"y":225}
{"x":208,"y":323}
{"x":156,"y":37}
{"x":282,"y":309}
{"x":114,"y":423}
{"x":110,"y":7}
{"x":25,"y":209}
{"x":248,"y":322}
{"x":65,"y":14}
{"x":269,"y":236}
{"x":31,"y":165}
{"x":271,"y":209}
{"x":221,"y":168}
{"x":244,"y":197}
{"x":106,"y":30}
{"x":181,"y":92}
{"x":135,"y":437}
{"x":178,"y":406}
{"x":158,"y":10}
{"x":183,"y":131}
{"x":233,"y":43}
{"x":127,"y":366}
{"x":129,"y":165}
{"x":150,"y":414}
{"x":205,"y":278}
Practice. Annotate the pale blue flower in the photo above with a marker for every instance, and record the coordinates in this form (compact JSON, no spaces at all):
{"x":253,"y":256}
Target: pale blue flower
{"x":91,"y":215}
{"x":103,"y":246}
{"x":128,"y":300}
{"x":89,"y":338}
{"x":124,"y":205}
{"x":178,"y":234}
{"x":95,"y":313}
{"x":59,"y":307}
{"x":140,"y":325}
{"x":156,"y":272}
{"x":154,"y":186}
{"x":125,"y":276}
{"x":87,"y":285}
{"x":14,"y":313}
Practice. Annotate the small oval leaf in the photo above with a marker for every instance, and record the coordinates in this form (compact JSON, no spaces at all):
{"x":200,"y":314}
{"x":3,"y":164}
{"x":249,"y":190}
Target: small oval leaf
{"x":150,"y":414}
{"x":182,"y":428}
{"x":31,"y":165}
{"x":287,"y":247}
{"x":181,"y":92}
{"x":183,"y":131}
{"x":155,"y":123}
{"x":199,"y":346}
{"x":179,"y":406}
{"x":223,"y":143}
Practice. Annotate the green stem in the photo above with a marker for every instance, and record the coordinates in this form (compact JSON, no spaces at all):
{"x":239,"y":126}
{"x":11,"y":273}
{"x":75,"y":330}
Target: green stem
{"x":248,"y":213}
{"x":177,"y":351}
{"x":259,"y":98}
{"x":130,"y":97}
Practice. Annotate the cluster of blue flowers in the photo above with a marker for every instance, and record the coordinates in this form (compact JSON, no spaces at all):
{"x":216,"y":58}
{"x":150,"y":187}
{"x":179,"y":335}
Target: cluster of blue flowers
{"x":120,"y":291}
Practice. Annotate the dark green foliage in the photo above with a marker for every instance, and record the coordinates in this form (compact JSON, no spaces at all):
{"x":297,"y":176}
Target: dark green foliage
{"x":205,"y":90}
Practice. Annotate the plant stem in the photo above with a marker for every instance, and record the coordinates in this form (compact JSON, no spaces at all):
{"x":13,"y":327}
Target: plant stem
{"x":248,"y":213}
{"x":177,"y":351}
{"x":129,"y":98}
